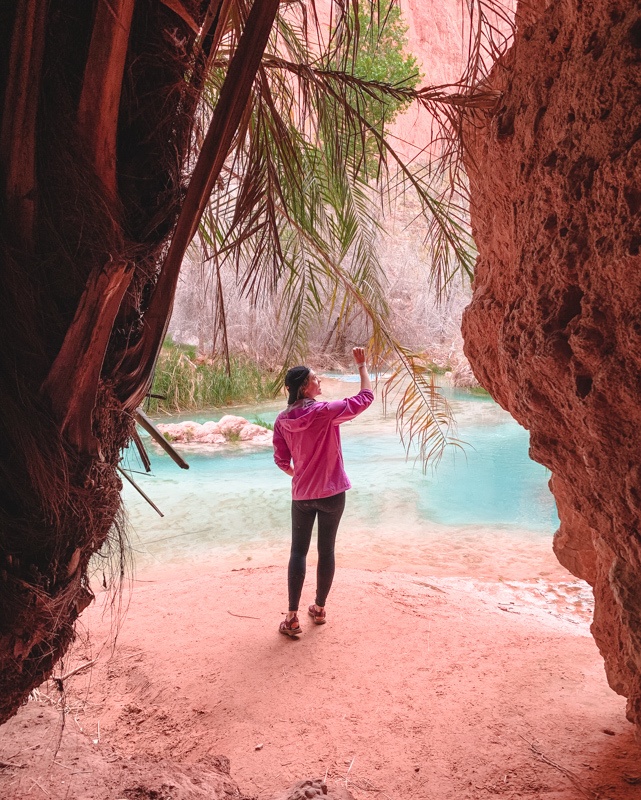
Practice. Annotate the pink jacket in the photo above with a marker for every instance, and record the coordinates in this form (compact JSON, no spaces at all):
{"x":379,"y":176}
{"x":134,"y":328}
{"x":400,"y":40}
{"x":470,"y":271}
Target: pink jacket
{"x":307,"y":433}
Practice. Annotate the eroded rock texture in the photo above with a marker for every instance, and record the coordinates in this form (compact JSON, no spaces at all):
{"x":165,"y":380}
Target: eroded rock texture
{"x":554,"y":327}
{"x":314,"y":788}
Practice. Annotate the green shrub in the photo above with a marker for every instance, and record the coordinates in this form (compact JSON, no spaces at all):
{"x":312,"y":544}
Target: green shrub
{"x":479,"y":391}
{"x":263,"y":423}
{"x":436,"y":369}
{"x":188,"y":386}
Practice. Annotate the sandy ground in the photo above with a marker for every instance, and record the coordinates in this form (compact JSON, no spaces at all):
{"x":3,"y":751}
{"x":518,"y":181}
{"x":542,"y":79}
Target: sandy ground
{"x":416,"y":688}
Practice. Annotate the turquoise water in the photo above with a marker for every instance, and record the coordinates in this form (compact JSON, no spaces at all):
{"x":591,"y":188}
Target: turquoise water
{"x":493,"y":482}
{"x":235,"y":503}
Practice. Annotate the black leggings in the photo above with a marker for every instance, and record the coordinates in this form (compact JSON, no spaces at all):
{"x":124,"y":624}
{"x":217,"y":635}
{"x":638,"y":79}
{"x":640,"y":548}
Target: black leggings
{"x":329,"y":510}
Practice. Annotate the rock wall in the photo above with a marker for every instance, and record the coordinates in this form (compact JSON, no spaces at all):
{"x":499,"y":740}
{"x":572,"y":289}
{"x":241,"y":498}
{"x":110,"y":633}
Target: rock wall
{"x":434,"y":36}
{"x":554,"y":327}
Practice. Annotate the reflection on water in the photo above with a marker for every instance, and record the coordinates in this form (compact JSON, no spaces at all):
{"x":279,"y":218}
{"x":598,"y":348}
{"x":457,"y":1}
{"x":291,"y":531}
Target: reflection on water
{"x":486,"y":511}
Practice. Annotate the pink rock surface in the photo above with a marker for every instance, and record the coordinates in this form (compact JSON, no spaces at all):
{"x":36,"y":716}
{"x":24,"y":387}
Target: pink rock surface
{"x":553,"y":330}
{"x":229,"y":428}
{"x":442,"y":697}
{"x":439,"y":35}
{"x":232,"y":424}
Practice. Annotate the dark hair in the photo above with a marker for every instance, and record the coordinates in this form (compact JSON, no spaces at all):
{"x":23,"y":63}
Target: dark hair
{"x":294,"y":382}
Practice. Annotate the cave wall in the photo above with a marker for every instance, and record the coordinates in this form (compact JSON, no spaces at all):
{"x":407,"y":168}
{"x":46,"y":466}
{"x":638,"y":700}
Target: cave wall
{"x":554,"y":327}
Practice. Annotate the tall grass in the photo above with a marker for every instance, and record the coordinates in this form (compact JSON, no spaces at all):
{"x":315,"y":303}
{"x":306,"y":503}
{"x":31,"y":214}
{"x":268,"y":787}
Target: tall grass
{"x":263,"y":423}
{"x":188,"y":385}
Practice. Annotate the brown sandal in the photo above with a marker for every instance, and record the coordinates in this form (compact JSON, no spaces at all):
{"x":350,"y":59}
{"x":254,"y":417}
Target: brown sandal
{"x":319,"y":617}
{"x":290,"y":627}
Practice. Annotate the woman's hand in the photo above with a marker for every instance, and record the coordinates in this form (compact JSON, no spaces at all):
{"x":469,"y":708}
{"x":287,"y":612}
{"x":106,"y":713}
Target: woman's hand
{"x":359,"y":356}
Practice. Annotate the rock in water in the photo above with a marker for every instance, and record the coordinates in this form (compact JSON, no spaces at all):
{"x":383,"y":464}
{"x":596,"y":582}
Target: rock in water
{"x":229,"y":429}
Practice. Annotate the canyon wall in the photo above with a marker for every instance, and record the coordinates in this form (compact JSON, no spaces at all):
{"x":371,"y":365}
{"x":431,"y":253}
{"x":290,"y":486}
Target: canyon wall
{"x":439,"y":36}
{"x":554,"y":327}
{"x":434,"y":36}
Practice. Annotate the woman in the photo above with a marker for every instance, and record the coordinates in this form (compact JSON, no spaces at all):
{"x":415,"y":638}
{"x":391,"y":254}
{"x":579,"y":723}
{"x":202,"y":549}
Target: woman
{"x":307,"y":434}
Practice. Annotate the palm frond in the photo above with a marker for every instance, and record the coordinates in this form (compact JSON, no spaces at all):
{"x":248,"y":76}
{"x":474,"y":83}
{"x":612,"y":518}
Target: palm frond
{"x":296,"y":211}
{"x":424,"y":416}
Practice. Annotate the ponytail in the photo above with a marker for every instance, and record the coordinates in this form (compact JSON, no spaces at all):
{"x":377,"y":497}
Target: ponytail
{"x":295,"y":381}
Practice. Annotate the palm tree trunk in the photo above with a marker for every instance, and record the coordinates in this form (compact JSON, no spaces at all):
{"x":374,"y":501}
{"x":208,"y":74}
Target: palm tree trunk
{"x":97,"y":121}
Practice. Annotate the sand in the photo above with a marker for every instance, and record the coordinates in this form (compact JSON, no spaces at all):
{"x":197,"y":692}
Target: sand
{"x":417,"y":687}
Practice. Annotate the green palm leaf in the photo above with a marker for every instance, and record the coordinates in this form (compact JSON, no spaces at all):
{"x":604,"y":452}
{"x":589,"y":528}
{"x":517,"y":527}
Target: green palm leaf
{"x":297,"y":211}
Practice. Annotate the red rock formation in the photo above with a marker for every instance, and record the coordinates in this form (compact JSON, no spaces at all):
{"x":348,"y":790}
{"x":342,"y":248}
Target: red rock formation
{"x":434,"y":37}
{"x":434,"y":34}
{"x":438,"y":34}
{"x":554,"y":327}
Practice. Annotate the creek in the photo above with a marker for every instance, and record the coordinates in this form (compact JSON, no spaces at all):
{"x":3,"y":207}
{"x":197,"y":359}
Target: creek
{"x":485,"y":511}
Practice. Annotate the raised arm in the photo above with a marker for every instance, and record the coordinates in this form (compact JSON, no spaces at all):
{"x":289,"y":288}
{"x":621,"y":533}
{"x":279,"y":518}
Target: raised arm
{"x":359,"y":358}
{"x":344,"y":410}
